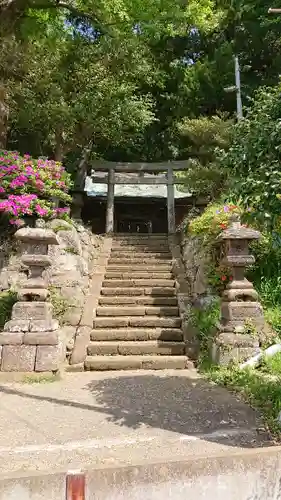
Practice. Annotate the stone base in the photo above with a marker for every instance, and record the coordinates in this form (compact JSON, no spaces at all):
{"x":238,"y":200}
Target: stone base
{"x":29,"y":352}
{"x":234,"y":348}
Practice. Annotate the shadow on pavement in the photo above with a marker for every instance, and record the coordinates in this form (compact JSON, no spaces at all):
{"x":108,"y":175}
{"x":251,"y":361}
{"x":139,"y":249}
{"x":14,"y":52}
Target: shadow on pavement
{"x":179,"y":404}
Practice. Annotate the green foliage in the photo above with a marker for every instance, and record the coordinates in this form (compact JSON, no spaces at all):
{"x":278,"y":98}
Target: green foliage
{"x":261,"y":391}
{"x":40,"y":378}
{"x":253,"y":160}
{"x":7,"y":300}
{"x":60,"y":304}
{"x":271,"y":364}
{"x":212,"y":221}
{"x":273,"y":318}
{"x":71,"y":250}
{"x":205,"y":321}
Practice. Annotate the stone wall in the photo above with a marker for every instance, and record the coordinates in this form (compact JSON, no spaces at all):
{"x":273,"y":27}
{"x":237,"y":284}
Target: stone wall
{"x":196,"y":264}
{"x":190,"y":269}
{"x":69,"y":276}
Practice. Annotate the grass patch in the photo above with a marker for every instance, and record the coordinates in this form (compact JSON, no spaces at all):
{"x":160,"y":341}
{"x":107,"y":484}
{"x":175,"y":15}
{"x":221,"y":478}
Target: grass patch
{"x":7,"y":300}
{"x":38,"y":378}
{"x":255,"y":387}
{"x":60,"y":304}
{"x":71,"y":250}
{"x":61,"y":227}
{"x":205,"y":321}
{"x":272,"y":365}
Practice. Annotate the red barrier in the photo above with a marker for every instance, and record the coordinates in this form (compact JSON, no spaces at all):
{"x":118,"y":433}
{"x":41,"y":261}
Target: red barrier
{"x":75,"y":486}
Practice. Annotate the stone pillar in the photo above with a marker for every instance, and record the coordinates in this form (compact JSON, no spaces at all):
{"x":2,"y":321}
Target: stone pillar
{"x":171,"y":201}
{"x":110,"y":202}
{"x":30,"y":340}
{"x":241,"y":313}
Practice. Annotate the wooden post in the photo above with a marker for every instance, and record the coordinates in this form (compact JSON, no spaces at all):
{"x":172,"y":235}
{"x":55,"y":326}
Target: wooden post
{"x":110,"y":202}
{"x":171,"y":201}
{"x":75,"y":486}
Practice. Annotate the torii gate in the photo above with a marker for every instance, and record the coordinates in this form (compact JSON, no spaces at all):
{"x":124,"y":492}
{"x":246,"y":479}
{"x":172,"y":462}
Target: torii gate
{"x":161,"y":173}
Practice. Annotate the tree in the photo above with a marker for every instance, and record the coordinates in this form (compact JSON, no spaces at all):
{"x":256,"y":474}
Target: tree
{"x":200,"y":139}
{"x":253,"y":159}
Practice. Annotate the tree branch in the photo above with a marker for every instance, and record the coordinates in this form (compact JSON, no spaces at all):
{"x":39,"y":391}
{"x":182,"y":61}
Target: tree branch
{"x":66,"y":6}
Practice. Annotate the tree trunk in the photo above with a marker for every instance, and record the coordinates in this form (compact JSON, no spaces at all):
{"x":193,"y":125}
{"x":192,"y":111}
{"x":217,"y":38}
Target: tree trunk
{"x":11,"y":12}
{"x":81,"y":174}
{"x":4,"y":113}
{"x":59,"y":150}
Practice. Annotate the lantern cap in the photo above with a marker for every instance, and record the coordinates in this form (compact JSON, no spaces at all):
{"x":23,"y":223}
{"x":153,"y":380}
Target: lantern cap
{"x":238,"y":232}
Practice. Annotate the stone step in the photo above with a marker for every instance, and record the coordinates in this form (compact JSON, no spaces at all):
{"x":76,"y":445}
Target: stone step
{"x":172,"y":334}
{"x":140,"y":244}
{"x":135,"y":348}
{"x":145,"y":300}
{"x":140,"y":255}
{"x":113,"y":283}
{"x":131,"y":291}
{"x":140,"y":236}
{"x":139,"y":267}
{"x":148,"y":362}
{"x":136,"y":321}
{"x":138,"y":274}
{"x":150,"y":260}
{"x":137,"y":311}
{"x":140,"y":248}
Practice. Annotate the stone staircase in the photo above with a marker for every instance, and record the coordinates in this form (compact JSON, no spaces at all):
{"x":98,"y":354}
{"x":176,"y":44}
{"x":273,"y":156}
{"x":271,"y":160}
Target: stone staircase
{"x":137,"y":323}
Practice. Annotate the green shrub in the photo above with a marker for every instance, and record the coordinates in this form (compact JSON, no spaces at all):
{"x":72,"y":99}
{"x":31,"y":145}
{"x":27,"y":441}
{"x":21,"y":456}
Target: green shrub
{"x":60,"y":304}
{"x":205,"y":320}
{"x":262,"y":392}
{"x":7,"y":300}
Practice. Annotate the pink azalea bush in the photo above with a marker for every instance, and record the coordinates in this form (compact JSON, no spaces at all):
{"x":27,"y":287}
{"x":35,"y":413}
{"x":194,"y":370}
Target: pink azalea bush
{"x":29,"y":186}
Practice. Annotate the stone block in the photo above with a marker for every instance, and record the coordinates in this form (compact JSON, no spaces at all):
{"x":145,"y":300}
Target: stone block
{"x":15,"y":326}
{"x":40,"y":338}
{"x":37,"y":294}
{"x":72,"y":316}
{"x":49,"y":358}
{"x":73,"y":295}
{"x":37,"y":235}
{"x":32,"y":310}
{"x":104,"y":322}
{"x":230,"y":347}
{"x":122,"y":291}
{"x":80,"y":346}
{"x":161,"y":291}
{"x":120,"y":311}
{"x":154,"y":322}
{"x":225,"y":355}
{"x":241,"y":310}
{"x":40,"y":325}
{"x":67,"y":333}
{"x":162,"y":311}
{"x":11,"y":338}
{"x":18,"y":358}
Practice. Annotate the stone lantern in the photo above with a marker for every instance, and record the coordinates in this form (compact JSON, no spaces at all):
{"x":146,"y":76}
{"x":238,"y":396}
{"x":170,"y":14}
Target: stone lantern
{"x":241,"y":313}
{"x":30,"y":340}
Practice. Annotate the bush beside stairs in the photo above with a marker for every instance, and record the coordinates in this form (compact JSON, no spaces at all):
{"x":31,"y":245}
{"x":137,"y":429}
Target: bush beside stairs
{"x":137,"y":323}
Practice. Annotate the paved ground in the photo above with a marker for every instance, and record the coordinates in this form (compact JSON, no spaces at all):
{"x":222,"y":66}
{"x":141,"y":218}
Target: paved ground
{"x":90,"y":419}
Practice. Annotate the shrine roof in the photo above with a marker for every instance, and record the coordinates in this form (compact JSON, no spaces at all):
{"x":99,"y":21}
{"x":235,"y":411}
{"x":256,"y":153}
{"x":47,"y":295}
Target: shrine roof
{"x":133,"y":190}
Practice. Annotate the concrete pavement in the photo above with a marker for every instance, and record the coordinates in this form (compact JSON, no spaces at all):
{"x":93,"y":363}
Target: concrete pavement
{"x":111,"y":419}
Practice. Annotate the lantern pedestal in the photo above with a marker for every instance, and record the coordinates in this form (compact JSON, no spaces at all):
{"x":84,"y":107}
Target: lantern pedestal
{"x":242,"y":318}
{"x":31,"y":339}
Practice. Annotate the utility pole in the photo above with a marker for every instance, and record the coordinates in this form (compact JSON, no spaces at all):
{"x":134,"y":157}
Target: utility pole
{"x":237,"y":89}
{"x":274,"y":11}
